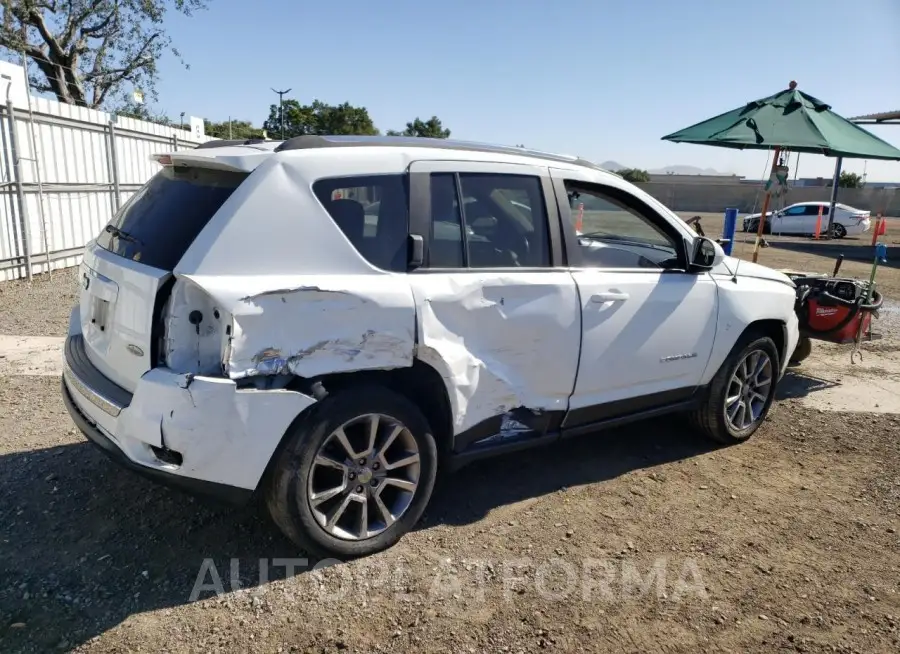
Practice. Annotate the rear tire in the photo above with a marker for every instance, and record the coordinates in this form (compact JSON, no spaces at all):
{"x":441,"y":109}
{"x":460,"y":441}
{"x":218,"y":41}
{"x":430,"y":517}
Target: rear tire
{"x":838,"y":230}
{"x":383,"y":481}
{"x":734,"y":409}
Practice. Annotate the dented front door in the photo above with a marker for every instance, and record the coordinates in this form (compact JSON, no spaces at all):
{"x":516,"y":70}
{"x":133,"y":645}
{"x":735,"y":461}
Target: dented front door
{"x":503,"y":336}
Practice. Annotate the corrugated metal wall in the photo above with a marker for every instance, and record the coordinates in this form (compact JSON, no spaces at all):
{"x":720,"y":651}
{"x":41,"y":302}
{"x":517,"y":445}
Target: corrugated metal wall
{"x":68,"y":178}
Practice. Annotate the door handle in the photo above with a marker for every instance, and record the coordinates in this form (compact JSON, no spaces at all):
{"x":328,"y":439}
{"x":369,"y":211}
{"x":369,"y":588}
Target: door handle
{"x":609,"y":296}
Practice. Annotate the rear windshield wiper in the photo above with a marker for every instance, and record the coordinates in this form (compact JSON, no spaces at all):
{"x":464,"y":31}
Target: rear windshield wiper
{"x":118,"y":233}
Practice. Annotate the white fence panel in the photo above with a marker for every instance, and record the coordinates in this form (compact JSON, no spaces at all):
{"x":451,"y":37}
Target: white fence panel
{"x":71,"y":160}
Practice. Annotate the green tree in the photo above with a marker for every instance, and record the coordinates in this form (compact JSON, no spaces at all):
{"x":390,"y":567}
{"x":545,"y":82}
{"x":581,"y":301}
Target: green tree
{"x":89,"y":52}
{"x":236,"y":129}
{"x":318,"y":118}
{"x":142,"y":112}
{"x":431,"y":128}
{"x":850,"y":180}
{"x":634,"y":175}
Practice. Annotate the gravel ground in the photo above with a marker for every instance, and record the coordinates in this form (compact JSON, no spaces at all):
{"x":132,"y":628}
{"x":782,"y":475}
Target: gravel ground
{"x":788,"y":542}
{"x":38,"y":308}
{"x":640,"y":539}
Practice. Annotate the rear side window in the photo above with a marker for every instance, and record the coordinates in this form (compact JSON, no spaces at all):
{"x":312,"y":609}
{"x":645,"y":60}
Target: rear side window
{"x":157,"y":224}
{"x":503,"y":222}
{"x":373,"y":213}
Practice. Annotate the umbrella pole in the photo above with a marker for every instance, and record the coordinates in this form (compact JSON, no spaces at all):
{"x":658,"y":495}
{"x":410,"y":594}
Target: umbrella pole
{"x":765,"y":208}
{"x":834,"y":193}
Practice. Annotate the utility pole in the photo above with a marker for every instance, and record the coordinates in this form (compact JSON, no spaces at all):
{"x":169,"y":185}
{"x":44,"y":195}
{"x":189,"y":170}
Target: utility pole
{"x":281,"y":108}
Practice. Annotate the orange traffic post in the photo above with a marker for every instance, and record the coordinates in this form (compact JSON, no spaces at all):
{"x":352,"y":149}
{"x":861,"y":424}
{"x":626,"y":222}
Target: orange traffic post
{"x":819,"y":222}
{"x":579,"y":221}
{"x":880,"y":228}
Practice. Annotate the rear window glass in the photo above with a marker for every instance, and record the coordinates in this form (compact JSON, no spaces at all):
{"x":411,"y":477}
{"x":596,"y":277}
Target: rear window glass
{"x":373,"y":213}
{"x":157,"y":224}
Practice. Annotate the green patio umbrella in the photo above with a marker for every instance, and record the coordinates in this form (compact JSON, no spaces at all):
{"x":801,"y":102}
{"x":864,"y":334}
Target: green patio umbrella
{"x":789,"y":120}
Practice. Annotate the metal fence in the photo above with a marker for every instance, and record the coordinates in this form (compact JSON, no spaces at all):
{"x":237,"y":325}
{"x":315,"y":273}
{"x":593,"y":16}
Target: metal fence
{"x":64,"y":171}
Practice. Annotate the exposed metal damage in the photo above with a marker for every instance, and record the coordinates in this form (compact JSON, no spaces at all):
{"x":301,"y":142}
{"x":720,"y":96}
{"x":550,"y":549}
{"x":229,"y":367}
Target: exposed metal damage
{"x":369,"y":346}
{"x":326,"y":326}
{"x":310,"y":330}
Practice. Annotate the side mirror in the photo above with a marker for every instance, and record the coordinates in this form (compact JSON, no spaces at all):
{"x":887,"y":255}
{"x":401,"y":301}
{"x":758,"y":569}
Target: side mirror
{"x":706,"y":255}
{"x":415,"y":256}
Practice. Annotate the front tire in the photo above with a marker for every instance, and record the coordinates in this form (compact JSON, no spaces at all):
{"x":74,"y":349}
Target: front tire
{"x":741,"y":393}
{"x":355,"y":475}
{"x":802,"y":351}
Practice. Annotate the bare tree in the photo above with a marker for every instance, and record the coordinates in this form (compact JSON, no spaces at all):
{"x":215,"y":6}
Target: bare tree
{"x":88,"y":52}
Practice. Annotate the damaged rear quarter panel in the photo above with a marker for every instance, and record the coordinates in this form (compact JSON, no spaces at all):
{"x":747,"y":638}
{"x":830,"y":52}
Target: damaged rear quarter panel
{"x":315,"y":324}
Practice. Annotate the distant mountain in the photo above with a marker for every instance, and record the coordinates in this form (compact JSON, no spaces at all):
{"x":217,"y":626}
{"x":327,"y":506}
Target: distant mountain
{"x":668,"y":170}
{"x":686,"y":170}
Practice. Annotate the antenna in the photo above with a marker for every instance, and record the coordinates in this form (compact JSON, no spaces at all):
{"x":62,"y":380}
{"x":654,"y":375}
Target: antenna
{"x":281,"y":108}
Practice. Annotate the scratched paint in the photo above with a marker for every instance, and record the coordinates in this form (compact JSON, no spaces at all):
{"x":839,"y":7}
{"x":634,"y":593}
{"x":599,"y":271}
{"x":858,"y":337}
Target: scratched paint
{"x":499,"y":342}
{"x":323,"y":325}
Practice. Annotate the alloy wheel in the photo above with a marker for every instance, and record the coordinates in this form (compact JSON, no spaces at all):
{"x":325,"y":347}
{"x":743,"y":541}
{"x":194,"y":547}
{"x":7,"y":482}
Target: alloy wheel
{"x":749,"y":390}
{"x":364,"y":477}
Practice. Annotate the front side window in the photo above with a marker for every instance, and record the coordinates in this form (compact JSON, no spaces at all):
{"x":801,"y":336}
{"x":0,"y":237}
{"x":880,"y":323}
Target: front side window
{"x":373,"y":213}
{"x":618,"y":230}
{"x":502,"y":222}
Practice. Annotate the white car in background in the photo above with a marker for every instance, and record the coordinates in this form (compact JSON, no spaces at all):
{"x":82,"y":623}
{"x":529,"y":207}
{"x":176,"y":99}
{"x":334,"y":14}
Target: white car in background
{"x":800,"y":218}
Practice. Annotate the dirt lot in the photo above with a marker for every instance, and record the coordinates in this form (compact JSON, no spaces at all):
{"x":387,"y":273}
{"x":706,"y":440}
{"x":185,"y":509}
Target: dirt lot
{"x":643,"y":539}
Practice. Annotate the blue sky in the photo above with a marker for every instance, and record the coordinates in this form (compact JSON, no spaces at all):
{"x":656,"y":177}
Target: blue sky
{"x":600,"y":79}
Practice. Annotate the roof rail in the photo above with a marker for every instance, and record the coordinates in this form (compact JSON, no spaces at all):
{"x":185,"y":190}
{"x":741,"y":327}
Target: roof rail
{"x":308,"y":142}
{"x":224,"y":143}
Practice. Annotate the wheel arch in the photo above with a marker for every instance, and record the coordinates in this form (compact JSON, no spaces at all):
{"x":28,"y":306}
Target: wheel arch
{"x":774,"y":329}
{"x":419,"y":383}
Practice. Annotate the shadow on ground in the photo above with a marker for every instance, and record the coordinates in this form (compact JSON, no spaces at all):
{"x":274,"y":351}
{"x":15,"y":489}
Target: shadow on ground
{"x":797,"y":384}
{"x":83,"y":544}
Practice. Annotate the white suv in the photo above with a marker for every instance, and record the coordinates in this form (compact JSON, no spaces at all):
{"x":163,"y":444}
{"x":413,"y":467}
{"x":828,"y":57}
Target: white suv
{"x":330,"y":320}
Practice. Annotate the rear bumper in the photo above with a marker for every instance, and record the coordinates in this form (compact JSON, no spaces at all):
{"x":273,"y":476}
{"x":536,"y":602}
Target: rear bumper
{"x":222,"y":437}
{"x":222,"y":492}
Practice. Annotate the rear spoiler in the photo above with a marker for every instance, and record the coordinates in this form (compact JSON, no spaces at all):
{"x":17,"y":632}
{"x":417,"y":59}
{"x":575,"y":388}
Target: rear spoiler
{"x":222,"y":143}
{"x":223,"y":157}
